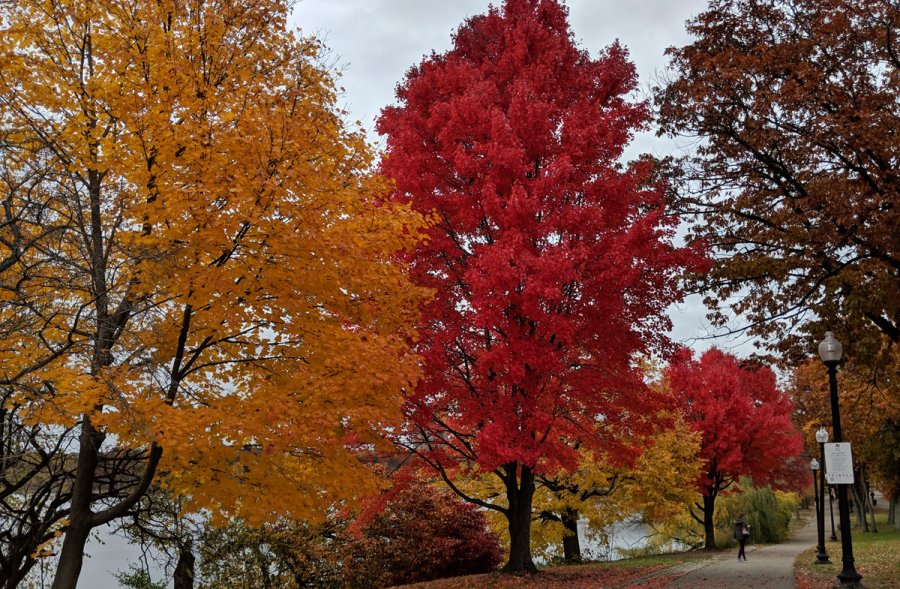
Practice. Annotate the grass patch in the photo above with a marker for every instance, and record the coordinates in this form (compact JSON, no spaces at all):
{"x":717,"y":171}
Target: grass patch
{"x":874,"y":556}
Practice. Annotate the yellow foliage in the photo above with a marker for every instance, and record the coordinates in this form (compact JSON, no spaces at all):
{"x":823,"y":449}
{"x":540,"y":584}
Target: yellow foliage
{"x":658,"y":487}
{"x":216,"y":269}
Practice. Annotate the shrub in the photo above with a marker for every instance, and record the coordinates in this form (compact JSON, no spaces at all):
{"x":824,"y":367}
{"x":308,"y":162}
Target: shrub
{"x":423,"y":534}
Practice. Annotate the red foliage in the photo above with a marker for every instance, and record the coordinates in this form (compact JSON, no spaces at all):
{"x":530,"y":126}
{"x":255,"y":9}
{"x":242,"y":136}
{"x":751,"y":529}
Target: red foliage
{"x":552,"y":268}
{"x":423,"y":534}
{"x":552,"y":264}
{"x":745,"y":420}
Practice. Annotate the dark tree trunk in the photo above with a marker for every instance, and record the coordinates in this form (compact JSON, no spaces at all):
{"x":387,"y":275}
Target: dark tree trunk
{"x":571,"y":545}
{"x":859,"y":507}
{"x":15,"y":569}
{"x":81,"y":522}
{"x":519,"y":493}
{"x":868,"y":504}
{"x":892,"y":511}
{"x":709,"y":528}
{"x":184,"y":570}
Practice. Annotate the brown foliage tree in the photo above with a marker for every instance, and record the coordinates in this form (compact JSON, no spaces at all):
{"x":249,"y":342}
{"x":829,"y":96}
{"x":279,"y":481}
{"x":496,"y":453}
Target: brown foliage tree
{"x":795,"y":179}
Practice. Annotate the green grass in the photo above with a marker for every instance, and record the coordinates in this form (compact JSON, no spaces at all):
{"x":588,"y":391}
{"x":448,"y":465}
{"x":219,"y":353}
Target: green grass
{"x":875,"y":557}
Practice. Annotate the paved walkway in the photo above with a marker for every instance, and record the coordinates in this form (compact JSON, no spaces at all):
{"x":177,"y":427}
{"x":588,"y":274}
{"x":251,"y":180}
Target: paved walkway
{"x":770,"y":566}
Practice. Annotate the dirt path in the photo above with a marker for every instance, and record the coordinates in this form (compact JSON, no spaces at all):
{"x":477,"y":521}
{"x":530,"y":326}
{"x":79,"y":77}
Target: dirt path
{"x":770,"y":567}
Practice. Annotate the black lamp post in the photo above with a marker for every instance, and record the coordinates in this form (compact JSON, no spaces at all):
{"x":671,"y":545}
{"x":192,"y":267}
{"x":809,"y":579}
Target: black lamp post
{"x":831,"y":511}
{"x":821,"y":555}
{"x":814,"y":467}
{"x":831,"y":350}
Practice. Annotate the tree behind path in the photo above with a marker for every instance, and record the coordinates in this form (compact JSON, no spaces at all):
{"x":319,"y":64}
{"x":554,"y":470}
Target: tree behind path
{"x":795,"y":184}
{"x":745,"y":424}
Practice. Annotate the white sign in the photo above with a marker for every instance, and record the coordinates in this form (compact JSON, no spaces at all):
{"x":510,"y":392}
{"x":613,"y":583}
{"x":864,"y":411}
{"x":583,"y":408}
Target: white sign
{"x":838,"y":464}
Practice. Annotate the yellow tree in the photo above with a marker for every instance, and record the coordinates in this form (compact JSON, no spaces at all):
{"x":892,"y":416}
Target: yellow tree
{"x":657,"y":486}
{"x":211,"y":294}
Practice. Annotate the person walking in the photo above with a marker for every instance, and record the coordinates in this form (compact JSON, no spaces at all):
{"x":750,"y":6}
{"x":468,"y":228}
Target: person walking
{"x":741,"y":534}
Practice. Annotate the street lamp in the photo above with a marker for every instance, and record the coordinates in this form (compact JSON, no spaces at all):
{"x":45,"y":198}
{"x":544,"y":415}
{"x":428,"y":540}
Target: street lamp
{"x":821,"y":555}
{"x":830,"y":351}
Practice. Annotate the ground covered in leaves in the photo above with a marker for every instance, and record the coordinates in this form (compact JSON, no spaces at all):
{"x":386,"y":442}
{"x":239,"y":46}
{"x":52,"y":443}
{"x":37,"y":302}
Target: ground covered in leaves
{"x":648,"y":571}
{"x":875,"y":558}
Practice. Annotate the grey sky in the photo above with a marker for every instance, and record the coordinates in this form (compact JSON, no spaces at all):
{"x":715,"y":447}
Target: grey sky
{"x":376,"y":41}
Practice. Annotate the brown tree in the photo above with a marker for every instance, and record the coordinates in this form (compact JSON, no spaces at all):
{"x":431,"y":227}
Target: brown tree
{"x":795,"y":180}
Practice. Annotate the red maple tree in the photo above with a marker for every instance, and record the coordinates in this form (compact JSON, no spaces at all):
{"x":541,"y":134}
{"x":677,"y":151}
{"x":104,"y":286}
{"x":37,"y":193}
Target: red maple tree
{"x":552,"y":263}
{"x":745,"y":423}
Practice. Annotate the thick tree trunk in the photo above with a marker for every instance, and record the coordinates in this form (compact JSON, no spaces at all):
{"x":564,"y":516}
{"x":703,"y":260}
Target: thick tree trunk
{"x":519,"y":493}
{"x":709,"y":528}
{"x":184,"y":570}
{"x":571,"y":545}
{"x":80,"y":516}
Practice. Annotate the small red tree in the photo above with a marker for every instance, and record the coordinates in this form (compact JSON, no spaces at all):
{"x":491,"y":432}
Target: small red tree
{"x":552,"y":263}
{"x":419,"y":535}
{"x":745,"y":423}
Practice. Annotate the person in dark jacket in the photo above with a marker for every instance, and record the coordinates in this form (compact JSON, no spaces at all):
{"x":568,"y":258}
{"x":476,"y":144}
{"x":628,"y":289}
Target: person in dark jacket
{"x":741,"y":534}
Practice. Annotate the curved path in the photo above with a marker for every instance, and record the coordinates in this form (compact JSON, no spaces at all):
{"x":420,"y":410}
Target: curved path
{"x":770,"y":566}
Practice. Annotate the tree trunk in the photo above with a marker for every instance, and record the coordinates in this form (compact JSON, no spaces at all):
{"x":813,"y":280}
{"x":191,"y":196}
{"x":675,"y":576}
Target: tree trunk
{"x":571,"y":544}
{"x":184,"y":569}
{"x":519,"y":493}
{"x":871,"y":504}
{"x":709,"y":528}
{"x":859,"y":507}
{"x":895,"y":502}
{"x":80,"y":516}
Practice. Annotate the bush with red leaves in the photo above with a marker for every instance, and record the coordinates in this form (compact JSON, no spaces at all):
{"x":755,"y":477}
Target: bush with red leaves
{"x":420,"y":535}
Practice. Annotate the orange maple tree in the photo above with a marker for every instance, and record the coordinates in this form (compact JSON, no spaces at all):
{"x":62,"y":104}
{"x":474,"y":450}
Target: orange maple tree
{"x":795,"y":181}
{"x":210,"y":291}
{"x":870,"y":415}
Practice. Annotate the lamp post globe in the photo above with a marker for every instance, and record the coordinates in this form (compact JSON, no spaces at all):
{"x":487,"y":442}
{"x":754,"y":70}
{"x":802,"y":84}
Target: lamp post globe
{"x":831,"y":351}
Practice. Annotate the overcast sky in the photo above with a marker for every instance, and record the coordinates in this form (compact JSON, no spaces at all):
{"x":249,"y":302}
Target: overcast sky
{"x":375,"y":42}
